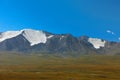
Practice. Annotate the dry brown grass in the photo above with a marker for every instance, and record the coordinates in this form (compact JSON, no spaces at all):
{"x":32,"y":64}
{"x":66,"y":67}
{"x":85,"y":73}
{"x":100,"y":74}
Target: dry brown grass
{"x":35,"y":67}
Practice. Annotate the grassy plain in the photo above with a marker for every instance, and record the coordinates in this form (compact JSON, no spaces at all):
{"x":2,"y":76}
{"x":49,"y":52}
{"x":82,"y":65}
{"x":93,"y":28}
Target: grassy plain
{"x":37,"y":67}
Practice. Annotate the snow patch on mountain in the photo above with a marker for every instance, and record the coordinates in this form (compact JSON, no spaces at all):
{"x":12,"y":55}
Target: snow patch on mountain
{"x":62,"y":37}
{"x":34,"y":36}
{"x":50,"y":36}
{"x":8,"y":35}
{"x":97,"y":43}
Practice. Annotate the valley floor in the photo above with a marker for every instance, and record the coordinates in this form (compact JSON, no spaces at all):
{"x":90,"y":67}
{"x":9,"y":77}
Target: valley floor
{"x":34,"y":67}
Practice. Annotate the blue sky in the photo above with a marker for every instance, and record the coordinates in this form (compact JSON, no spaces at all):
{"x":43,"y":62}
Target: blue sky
{"x":94,"y":18}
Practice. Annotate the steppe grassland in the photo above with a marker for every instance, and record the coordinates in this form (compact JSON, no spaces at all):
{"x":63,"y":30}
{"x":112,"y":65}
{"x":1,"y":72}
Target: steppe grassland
{"x":50,"y":67}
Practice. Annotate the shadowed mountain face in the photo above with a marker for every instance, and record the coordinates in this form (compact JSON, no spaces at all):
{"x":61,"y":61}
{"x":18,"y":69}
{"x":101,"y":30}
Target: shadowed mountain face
{"x":29,"y":40}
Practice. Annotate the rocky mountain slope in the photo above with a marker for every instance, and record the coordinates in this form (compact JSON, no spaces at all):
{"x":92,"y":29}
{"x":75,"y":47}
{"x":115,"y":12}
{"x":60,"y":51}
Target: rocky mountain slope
{"x":28,"y":40}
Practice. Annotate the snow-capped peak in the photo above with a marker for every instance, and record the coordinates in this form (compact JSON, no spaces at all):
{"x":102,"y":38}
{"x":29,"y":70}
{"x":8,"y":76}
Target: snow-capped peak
{"x":97,"y":43}
{"x":8,"y":35}
{"x":34,"y":36}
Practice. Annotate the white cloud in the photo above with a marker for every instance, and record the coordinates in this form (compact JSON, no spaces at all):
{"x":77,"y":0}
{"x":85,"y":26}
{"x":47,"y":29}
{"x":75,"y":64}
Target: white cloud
{"x":114,"y":34}
{"x":119,"y":38}
{"x":110,"y":32}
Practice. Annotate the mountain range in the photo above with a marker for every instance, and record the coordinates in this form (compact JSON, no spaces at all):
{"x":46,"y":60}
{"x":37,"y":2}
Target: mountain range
{"x":29,"y":40}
